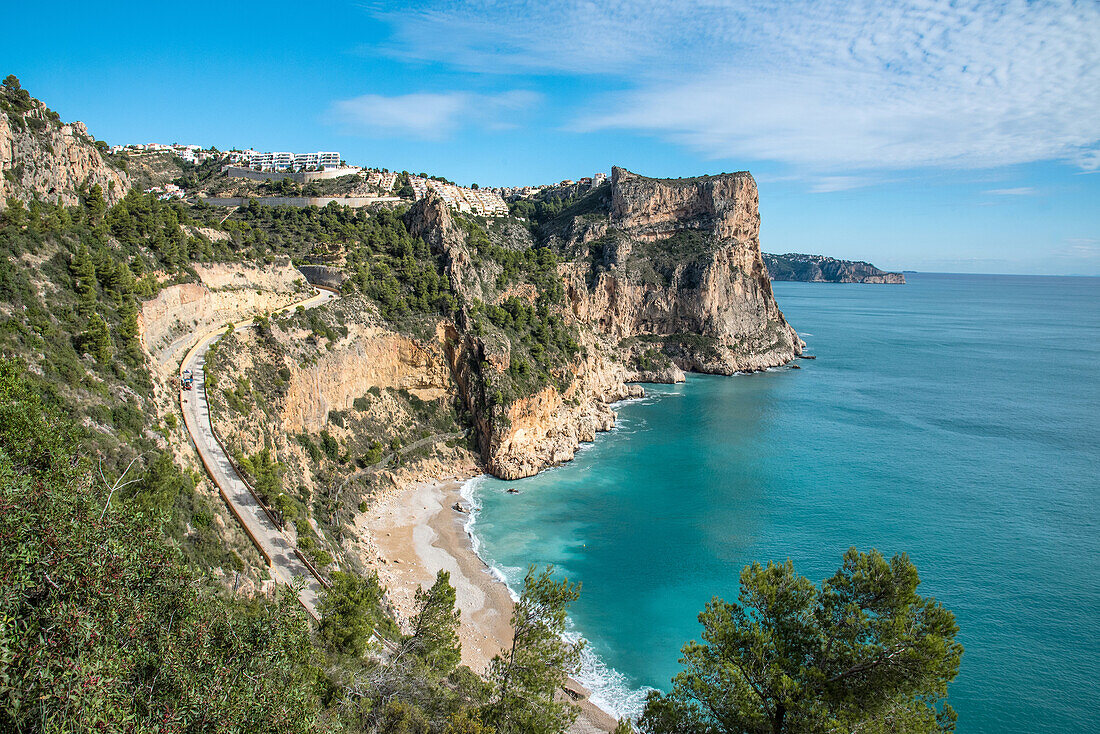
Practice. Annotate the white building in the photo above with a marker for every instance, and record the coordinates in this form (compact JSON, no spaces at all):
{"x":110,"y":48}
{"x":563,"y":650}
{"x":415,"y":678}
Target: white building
{"x":283,"y":160}
{"x":321,"y":159}
{"x":419,"y":187}
{"x":478,"y":201}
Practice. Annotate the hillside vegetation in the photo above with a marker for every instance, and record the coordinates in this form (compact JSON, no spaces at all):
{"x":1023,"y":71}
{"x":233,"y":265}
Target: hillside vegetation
{"x":130,"y":599}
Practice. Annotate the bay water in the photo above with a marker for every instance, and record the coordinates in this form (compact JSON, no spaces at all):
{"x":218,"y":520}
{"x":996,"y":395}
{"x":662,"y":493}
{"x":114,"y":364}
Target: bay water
{"x":956,"y":419}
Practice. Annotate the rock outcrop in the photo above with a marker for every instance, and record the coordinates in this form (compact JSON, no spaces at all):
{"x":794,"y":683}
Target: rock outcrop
{"x":43,"y":158}
{"x":659,"y":276}
{"x":324,"y":275}
{"x":821,"y":269}
{"x":673,"y":267}
{"x":431,"y":220}
{"x":535,"y":431}
{"x":370,"y":356}
{"x":546,"y":429}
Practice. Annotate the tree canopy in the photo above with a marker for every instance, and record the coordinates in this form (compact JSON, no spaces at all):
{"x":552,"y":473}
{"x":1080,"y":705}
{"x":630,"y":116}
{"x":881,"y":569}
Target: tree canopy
{"x":862,"y":652}
{"x":526,"y":679}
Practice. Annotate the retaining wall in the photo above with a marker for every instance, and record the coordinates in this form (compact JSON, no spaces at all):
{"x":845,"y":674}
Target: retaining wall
{"x":298,"y":176}
{"x":354,"y":202}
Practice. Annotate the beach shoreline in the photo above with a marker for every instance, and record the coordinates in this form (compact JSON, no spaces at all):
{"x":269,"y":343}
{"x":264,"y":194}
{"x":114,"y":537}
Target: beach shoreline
{"x":417,"y":531}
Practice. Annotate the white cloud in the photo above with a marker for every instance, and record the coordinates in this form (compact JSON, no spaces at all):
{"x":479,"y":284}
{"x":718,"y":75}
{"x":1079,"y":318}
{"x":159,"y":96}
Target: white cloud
{"x":1083,"y":248}
{"x":429,"y":116}
{"x":1017,"y":191}
{"x":830,"y":184}
{"x":830,"y":86}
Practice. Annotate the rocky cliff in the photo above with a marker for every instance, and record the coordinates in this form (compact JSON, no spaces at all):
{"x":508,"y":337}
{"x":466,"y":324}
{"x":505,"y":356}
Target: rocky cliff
{"x":43,"y":158}
{"x":656,"y":277}
{"x":169,"y":323}
{"x":671,"y":268}
{"x":821,"y":269}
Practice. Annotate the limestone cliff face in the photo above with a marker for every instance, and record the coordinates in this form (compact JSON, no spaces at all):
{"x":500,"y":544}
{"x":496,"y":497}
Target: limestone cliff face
{"x":42,"y":158}
{"x":547,"y":428}
{"x":660,"y":276}
{"x":675,"y":267}
{"x":368,"y":357}
{"x":651,"y":208}
{"x":527,"y":435}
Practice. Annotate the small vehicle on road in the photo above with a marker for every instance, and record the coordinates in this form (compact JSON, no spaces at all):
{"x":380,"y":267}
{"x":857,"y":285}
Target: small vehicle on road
{"x":187,"y":380}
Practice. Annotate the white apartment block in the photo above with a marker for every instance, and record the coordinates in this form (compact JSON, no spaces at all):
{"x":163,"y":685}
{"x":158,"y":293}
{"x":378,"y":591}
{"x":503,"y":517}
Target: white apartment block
{"x":383,"y":179}
{"x":283,"y":160}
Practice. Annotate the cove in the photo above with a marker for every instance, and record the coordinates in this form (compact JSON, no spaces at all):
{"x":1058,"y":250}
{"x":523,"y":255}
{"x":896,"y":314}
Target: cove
{"x":956,"y":419}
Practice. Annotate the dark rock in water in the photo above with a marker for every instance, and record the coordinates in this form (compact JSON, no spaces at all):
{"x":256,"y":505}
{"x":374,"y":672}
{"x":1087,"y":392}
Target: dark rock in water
{"x":808,"y":356}
{"x":794,"y":367}
{"x":513,"y":491}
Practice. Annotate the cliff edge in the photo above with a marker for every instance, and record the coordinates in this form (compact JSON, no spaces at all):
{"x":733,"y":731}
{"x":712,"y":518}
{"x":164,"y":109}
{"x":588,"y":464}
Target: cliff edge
{"x":637,"y":280}
{"x":46,"y":159}
{"x":672,"y":269}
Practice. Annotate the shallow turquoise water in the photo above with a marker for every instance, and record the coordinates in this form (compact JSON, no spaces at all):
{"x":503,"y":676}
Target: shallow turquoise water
{"x":956,"y":419}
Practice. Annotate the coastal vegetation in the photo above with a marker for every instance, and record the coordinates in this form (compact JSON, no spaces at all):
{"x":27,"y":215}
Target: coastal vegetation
{"x":129,"y":599}
{"x":861,"y":652}
{"x":105,"y":627}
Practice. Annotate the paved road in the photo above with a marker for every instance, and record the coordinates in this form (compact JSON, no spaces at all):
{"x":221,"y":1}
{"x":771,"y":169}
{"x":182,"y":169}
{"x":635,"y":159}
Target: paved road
{"x":285,"y":565}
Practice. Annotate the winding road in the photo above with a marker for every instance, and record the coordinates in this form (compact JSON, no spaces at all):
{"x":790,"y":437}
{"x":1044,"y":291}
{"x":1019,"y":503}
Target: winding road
{"x":285,"y":564}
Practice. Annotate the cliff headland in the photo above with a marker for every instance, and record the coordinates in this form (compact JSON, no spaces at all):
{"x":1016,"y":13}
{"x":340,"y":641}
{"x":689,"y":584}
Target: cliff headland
{"x":822,"y":269}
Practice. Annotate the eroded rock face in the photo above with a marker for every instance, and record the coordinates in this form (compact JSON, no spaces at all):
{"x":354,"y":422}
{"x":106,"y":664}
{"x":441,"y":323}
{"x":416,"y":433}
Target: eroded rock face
{"x":52,"y":161}
{"x":652,"y":208}
{"x":547,"y":428}
{"x":660,"y":276}
{"x":677,"y":267}
{"x":369,"y":357}
{"x":168,"y":324}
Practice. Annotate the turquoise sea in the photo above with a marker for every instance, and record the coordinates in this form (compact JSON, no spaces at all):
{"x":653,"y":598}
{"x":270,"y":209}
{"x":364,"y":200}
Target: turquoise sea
{"x":956,"y":419}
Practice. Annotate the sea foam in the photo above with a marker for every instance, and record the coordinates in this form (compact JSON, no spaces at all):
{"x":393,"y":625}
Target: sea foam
{"x":611,"y":691}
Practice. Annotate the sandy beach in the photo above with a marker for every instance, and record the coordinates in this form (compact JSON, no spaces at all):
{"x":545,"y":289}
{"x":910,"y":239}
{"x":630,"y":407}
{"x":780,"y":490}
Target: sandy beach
{"x":417,"y":532}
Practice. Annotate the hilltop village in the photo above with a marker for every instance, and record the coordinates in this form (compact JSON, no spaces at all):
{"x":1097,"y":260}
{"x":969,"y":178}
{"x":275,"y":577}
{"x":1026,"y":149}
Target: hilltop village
{"x":348,"y":185}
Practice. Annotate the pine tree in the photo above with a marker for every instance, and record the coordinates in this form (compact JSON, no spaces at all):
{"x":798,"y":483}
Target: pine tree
{"x":97,"y":339}
{"x":527,"y":679}
{"x":94,"y":204}
{"x":83,"y":270}
{"x":862,"y":652}
{"x":434,"y":638}
{"x":128,"y":330}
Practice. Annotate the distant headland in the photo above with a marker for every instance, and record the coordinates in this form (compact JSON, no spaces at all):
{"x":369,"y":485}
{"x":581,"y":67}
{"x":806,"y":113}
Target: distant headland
{"x":822,"y":269}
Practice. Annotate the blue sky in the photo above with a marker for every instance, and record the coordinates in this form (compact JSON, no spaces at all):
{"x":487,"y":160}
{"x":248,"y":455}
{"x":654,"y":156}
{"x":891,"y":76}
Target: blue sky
{"x":958,"y":136}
